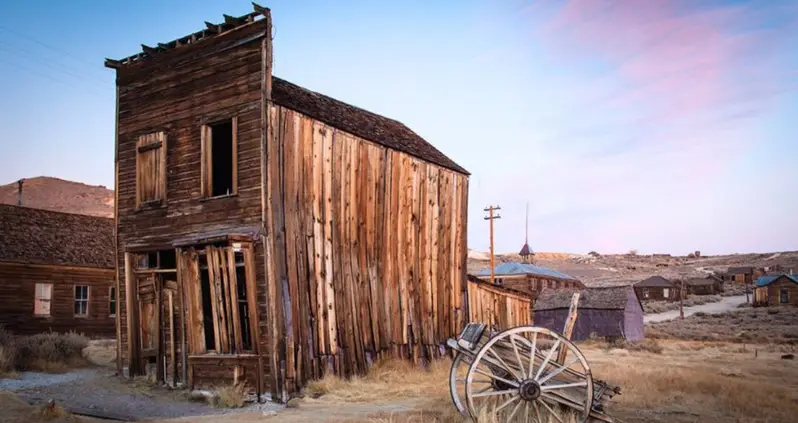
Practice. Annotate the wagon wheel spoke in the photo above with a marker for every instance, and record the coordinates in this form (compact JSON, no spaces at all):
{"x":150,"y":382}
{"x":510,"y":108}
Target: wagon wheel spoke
{"x":527,"y":381}
{"x":558,"y":371}
{"x":551,"y":411}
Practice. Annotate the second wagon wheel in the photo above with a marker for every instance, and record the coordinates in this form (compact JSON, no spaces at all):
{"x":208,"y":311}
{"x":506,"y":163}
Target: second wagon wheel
{"x":515,"y":376}
{"x":457,"y":381}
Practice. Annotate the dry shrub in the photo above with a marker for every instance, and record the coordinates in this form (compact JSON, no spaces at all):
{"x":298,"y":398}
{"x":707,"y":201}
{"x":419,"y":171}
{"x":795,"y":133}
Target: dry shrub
{"x":387,"y":379}
{"x":229,"y":396}
{"x":754,"y":325}
{"x":51,"y":352}
{"x":646,"y":345}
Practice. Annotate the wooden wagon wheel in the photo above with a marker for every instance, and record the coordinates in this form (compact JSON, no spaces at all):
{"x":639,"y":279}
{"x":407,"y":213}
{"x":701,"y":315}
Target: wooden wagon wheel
{"x":515,"y":376}
{"x":457,"y":381}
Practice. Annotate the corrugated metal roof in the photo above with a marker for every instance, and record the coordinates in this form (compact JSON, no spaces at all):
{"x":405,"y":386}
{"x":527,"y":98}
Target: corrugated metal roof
{"x":768,"y":279}
{"x":515,"y":268}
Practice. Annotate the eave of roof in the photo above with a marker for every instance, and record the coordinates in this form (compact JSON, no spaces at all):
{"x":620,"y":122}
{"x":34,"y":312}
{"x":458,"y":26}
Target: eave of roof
{"x":514,"y":268}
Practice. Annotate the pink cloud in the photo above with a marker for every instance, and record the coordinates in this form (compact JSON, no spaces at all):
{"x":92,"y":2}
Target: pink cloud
{"x":675,"y":63}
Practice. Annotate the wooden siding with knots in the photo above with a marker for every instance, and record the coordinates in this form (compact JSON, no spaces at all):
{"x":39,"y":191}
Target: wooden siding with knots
{"x":18,"y":288}
{"x":368,"y":246}
{"x":494,"y":306}
{"x":177,"y":94}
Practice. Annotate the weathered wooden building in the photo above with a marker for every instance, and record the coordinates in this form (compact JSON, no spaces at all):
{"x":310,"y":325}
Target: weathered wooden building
{"x":743,"y":275}
{"x":268,"y":233}
{"x":497,"y":306}
{"x":657,"y":288}
{"x":709,"y":285}
{"x":608,"y":312}
{"x":56,"y":272}
{"x":776,"y":290}
{"x":529,"y":278}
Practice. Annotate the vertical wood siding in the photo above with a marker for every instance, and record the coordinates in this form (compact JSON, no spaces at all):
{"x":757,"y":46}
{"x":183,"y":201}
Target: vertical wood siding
{"x":177,"y":94}
{"x":496,"y":307}
{"x":17,"y":291}
{"x":374,"y":246}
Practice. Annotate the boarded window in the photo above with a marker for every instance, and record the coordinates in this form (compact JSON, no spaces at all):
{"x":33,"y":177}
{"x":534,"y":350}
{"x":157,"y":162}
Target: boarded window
{"x":151,"y":168}
{"x":220,"y":158}
{"x":81,"y":300}
{"x":225,"y":301}
{"x":112,"y":301}
{"x":42,"y":299}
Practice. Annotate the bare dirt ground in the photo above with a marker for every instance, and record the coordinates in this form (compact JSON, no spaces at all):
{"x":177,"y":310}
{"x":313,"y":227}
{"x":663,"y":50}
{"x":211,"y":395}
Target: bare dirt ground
{"x":622,"y":269}
{"x":687,"y":382}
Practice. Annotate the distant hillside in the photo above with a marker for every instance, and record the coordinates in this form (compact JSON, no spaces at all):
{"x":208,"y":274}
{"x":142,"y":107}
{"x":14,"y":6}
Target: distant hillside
{"x":56,"y":194}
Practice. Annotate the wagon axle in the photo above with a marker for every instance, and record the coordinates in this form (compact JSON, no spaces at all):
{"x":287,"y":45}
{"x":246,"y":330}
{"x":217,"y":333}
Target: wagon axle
{"x":529,"y":390}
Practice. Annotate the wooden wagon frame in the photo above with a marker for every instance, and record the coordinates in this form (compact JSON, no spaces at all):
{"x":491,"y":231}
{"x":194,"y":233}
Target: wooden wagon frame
{"x":521,"y":374}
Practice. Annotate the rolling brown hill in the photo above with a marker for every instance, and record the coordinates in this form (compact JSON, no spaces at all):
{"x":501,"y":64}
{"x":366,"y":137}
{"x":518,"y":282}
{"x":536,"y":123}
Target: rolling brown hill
{"x":45,"y":192}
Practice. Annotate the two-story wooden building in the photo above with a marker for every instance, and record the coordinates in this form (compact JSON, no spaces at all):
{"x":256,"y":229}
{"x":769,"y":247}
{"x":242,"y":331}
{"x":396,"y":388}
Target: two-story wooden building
{"x":267,"y":233}
{"x":56,"y":272}
{"x":530,"y":279}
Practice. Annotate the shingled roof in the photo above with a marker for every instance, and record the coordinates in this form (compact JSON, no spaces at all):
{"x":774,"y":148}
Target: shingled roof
{"x":46,"y":237}
{"x":605,"y":298}
{"x":360,"y":122}
{"x":655,"y":281}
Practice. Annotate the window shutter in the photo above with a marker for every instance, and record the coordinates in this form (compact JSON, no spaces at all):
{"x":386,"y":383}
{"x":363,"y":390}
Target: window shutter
{"x":151,"y":168}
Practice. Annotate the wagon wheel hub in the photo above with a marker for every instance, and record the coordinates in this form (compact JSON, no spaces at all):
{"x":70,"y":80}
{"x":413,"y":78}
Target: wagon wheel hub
{"x":530,"y":390}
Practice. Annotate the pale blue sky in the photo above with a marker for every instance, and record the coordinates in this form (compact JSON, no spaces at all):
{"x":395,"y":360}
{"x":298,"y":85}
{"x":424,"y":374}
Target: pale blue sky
{"x":664,"y":126}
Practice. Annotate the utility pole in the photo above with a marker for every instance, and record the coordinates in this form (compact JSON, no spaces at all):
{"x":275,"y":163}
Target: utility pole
{"x":681,"y":299}
{"x":490,"y":217}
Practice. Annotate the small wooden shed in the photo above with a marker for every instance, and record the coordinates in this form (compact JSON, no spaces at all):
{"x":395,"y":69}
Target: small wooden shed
{"x":776,"y":290}
{"x":710,"y":285}
{"x":56,"y":272}
{"x":657,"y":288}
{"x":607,"y":312}
{"x":497,"y":306}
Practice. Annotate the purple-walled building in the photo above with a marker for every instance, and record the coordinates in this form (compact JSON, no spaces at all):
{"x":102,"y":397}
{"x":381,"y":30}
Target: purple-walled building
{"x":612,"y":312}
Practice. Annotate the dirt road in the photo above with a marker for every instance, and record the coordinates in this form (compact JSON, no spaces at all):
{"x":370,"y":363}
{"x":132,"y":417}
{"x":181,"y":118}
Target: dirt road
{"x":724,"y":305}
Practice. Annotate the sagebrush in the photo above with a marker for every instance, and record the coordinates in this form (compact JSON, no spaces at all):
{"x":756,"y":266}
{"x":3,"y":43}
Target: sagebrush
{"x":48,"y":352}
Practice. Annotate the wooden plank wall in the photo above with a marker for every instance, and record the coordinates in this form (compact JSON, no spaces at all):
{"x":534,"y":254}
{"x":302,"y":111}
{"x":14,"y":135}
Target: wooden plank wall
{"x":494,"y":306}
{"x":17,"y":291}
{"x":176,"y":94}
{"x":375,"y":250}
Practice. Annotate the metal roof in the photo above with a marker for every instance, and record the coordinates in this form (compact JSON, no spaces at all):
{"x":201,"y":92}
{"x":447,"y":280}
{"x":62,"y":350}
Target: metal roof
{"x":769,"y":279}
{"x":514,"y":268}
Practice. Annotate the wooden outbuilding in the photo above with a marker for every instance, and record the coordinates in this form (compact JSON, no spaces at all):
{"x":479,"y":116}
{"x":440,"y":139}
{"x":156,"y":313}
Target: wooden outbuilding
{"x":56,"y":272}
{"x":497,"y":306}
{"x":743,"y":275}
{"x":607,"y":312}
{"x":776,"y":290}
{"x":657,"y":288}
{"x":269,"y":234}
{"x":530,"y":279}
{"x":709,"y":285}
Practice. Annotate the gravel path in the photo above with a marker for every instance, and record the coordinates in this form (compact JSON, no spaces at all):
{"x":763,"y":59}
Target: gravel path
{"x":722,"y":306}
{"x":98,"y":390}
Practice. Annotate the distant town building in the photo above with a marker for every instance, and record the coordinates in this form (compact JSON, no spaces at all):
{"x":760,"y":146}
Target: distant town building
{"x":709,"y":285}
{"x":742,"y":274}
{"x":776,"y":290}
{"x":657,"y":288}
{"x":530,"y":279}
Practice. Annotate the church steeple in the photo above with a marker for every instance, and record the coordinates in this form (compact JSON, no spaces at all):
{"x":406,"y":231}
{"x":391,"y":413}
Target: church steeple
{"x":527,"y":252}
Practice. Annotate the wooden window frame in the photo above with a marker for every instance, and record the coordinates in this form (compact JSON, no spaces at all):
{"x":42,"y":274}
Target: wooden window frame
{"x":146,"y":143}
{"x":36,"y":300}
{"x":784,"y":296}
{"x":87,"y":300}
{"x":206,"y":148}
{"x":113,"y":299}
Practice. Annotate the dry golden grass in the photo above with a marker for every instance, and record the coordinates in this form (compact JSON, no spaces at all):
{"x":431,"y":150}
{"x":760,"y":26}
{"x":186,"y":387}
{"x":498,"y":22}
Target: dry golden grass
{"x":229,"y":396}
{"x":14,"y":410}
